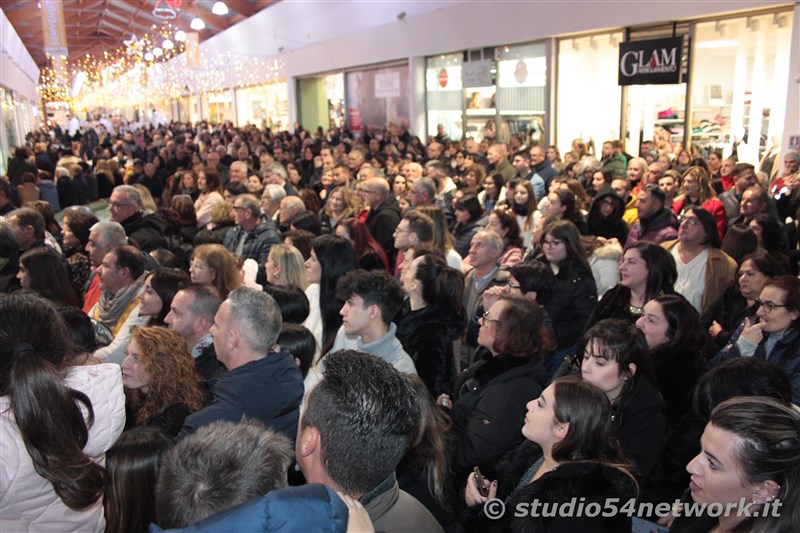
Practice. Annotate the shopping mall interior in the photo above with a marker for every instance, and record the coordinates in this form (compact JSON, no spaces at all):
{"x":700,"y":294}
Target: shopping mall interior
{"x":547,"y":68}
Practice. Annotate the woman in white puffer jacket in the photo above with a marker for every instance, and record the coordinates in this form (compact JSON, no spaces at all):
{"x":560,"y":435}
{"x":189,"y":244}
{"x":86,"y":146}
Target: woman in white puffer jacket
{"x":56,"y":423}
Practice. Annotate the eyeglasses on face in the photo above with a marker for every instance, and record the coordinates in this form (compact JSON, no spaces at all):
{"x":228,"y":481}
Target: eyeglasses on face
{"x":486,"y":317}
{"x":552,"y":243}
{"x":769,"y":306}
{"x":199,"y":265}
{"x":692,"y":221}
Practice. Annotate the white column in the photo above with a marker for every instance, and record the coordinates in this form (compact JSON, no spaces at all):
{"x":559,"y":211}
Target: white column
{"x":417,"y":108}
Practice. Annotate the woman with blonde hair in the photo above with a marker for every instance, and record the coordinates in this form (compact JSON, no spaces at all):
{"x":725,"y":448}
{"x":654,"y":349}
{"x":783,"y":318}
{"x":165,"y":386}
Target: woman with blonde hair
{"x":342,"y":203}
{"x":213,"y":264}
{"x":285,"y":266}
{"x":160,"y":380}
{"x":148,"y":204}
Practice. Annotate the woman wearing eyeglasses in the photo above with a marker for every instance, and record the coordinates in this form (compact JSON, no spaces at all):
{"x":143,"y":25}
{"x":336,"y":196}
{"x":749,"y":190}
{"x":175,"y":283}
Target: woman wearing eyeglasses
{"x":774,"y":335}
{"x":575,"y":292}
{"x":213,"y":264}
{"x":488,"y":405}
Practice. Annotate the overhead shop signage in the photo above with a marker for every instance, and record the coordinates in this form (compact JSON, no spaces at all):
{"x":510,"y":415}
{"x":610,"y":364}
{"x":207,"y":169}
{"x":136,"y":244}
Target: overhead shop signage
{"x":652,"y":62}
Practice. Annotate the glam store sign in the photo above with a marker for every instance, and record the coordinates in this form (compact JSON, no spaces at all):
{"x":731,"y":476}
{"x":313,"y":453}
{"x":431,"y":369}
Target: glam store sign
{"x":652,"y":62}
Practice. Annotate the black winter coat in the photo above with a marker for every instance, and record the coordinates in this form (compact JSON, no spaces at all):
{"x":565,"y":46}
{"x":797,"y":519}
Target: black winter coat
{"x":570,"y":305}
{"x":381,"y":223}
{"x":427,"y":336}
{"x":640,"y":426}
{"x":146,"y":230}
{"x":677,"y":372}
{"x":729,"y":311}
{"x":489,"y":409}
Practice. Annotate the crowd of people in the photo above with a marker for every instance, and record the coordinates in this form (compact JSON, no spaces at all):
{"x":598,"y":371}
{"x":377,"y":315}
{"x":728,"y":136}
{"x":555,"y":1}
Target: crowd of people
{"x":393,"y":334}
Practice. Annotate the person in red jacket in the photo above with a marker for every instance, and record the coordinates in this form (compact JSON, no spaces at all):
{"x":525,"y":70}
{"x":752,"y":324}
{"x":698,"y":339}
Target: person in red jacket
{"x":697,"y":190}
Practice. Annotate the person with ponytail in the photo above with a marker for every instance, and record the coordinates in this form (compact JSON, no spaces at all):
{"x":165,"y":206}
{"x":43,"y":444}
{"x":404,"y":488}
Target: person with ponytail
{"x":56,"y":423}
{"x":434,"y":319}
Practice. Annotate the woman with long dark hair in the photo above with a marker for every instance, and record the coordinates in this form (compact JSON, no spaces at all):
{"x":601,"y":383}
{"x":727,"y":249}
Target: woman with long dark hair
{"x":424,"y":471}
{"x":676,"y":341}
{"x":563,"y":204}
{"x":434,"y":319}
{"x":75,"y":235}
{"x":646,"y":271}
{"x":576,"y":459}
{"x":615,"y":360}
{"x":161,"y":382}
{"x":575,"y":293}
{"x":51,"y":475}
{"x":468,"y":212}
{"x":160,"y":287}
{"x":697,"y":190}
{"x":133,"y":465}
{"x":504,"y":223}
{"x":331,"y":258}
{"x":44,"y":271}
{"x":769,"y":233}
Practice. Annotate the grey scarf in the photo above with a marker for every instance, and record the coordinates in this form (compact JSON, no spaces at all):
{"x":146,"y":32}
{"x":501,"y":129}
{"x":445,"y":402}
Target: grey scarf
{"x":111,"y":306}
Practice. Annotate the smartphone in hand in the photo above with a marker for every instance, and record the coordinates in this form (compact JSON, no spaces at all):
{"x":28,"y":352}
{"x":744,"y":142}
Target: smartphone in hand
{"x":483,"y":487}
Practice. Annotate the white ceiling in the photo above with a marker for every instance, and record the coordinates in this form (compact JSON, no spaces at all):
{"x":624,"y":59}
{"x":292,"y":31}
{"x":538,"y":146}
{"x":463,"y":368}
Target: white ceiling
{"x":291,"y":25}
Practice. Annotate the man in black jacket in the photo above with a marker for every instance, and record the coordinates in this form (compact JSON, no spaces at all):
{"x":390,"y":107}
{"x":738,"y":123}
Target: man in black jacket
{"x":144,"y":228}
{"x":384,"y":213}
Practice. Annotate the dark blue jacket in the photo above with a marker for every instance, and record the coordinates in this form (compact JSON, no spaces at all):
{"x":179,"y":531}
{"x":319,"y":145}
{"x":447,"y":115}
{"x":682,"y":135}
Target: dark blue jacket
{"x":785,"y":354}
{"x":268,"y":390}
{"x":308,"y":508}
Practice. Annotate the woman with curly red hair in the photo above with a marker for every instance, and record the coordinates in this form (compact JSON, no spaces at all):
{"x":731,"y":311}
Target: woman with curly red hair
{"x":160,"y":379}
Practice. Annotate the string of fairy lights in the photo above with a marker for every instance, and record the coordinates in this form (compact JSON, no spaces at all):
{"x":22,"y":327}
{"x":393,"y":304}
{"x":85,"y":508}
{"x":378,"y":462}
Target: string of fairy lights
{"x":152,"y":68}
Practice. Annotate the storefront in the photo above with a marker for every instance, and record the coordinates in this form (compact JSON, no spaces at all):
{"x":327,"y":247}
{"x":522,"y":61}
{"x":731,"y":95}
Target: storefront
{"x":19,"y":115}
{"x":377,"y":97}
{"x":730,"y":92}
{"x":587,"y":74}
{"x":489,"y":92}
{"x":217,"y":106}
{"x":265,"y":106}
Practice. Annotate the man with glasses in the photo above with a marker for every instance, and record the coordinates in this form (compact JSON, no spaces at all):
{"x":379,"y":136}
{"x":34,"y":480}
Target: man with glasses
{"x":656,"y":223}
{"x":251,"y":238}
{"x":415,"y":228}
{"x":704,"y":271}
{"x":384,"y":213}
{"x":144,"y":228}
